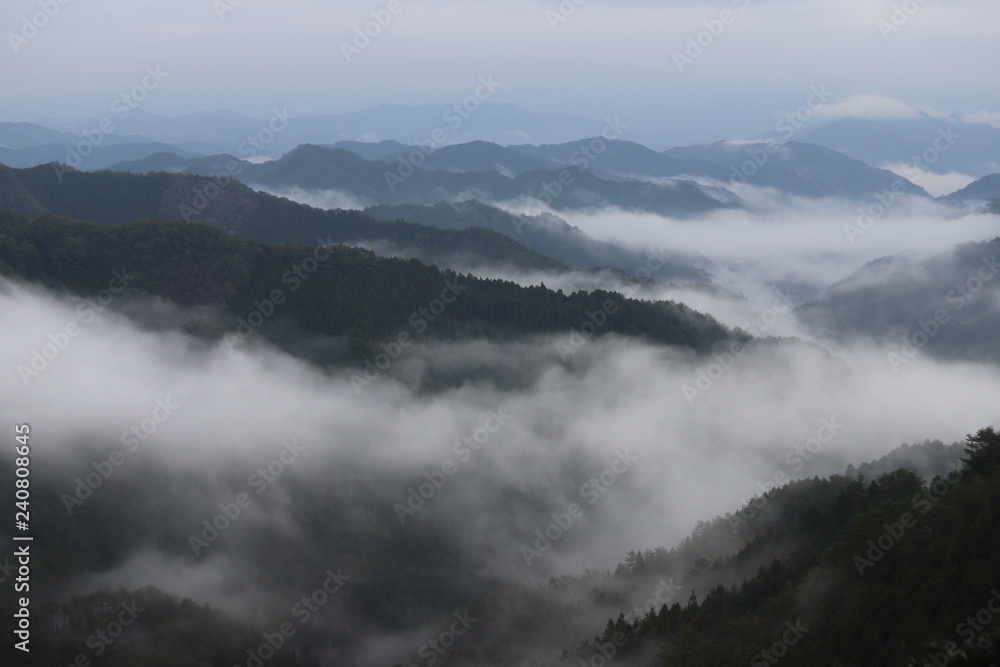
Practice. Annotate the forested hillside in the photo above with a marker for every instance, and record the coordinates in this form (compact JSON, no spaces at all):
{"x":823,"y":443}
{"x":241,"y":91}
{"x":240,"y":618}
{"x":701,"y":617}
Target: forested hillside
{"x":838,"y":571}
{"x":107,"y":198}
{"x":349,"y":298}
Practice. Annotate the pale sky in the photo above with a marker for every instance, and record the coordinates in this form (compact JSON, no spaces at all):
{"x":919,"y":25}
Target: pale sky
{"x":606,"y":57}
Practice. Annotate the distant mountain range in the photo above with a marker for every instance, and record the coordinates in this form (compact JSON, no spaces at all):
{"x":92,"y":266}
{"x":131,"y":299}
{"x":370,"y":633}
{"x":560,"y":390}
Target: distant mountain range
{"x":489,"y":121}
{"x":986,"y":189}
{"x":400,"y":182}
{"x":887,"y":300}
{"x":934,"y":144}
{"x":946,"y":304}
{"x":451,"y":235}
{"x":566,"y":177}
{"x":392,"y":155}
{"x":112,"y":197}
{"x":355,"y":299}
{"x":795,"y":168}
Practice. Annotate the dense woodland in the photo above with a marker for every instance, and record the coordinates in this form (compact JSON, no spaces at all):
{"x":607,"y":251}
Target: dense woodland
{"x":352,"y":299}
{"x":107,"y":197}
{"x":800,"y":556}
{"x":880,"y":566}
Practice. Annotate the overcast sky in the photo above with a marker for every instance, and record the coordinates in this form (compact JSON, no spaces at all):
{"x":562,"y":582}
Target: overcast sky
{"x":606,"y":57}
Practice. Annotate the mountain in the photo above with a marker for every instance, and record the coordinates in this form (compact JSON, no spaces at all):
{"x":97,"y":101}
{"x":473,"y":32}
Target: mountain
{"x":226,"y":128}
{"x":928,"y":460}
{"x":615,"y":173}
{"x":113,"y":197}
{"x":546,"y":234}
{"x":377,"y":182}
{"x":549,"y":235}
{"x":355,"y":297}
{"x":824,"y":561}
{"x":796,"y":168}
{"x":207,"y":165}
{"x":951,"y":144}
{"x":376,"y":150}
{"x":165,"y":161}
{"x":620,"y":158}
{"x":26,"y":135}
{"x":115,"y":150}
{"x":483,"y":156}
{"x":834,"y":571}
{"x":317,"y":168}
{"x":946,"y":304}
{"x":615,"y":158}
{"x":223,"y":128}
{"x":462,"y":121}
{"x":13,"y":195}
{"x":985,"y":189}
{"x":486,"y":121}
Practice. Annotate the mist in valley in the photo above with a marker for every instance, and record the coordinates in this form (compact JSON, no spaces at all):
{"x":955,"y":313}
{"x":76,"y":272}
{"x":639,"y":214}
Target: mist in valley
{"x":479,"y":447}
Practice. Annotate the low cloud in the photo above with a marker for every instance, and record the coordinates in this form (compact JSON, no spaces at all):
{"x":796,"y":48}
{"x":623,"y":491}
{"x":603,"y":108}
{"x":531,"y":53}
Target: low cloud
{"x":991,"y":118}
{"x":866,"y":107}
{"x":937,"y":185}
{"x":324,"y":199}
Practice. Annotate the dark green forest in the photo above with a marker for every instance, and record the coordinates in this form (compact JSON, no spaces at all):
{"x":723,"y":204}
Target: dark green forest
{"x":891,"y":571}
{"x":108,"y":197}
{"x":838,"y":571}
{"x":892,"y":563}
{"x":349,"y":298}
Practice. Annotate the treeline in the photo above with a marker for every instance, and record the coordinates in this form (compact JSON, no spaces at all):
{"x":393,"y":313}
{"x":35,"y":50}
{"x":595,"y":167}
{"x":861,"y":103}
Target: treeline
{"x":349,"y":297}
{"x":109,"y":198}
{"x":892,"y":571}
{"x":839,"y":571}
{"x":149,"y":628}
